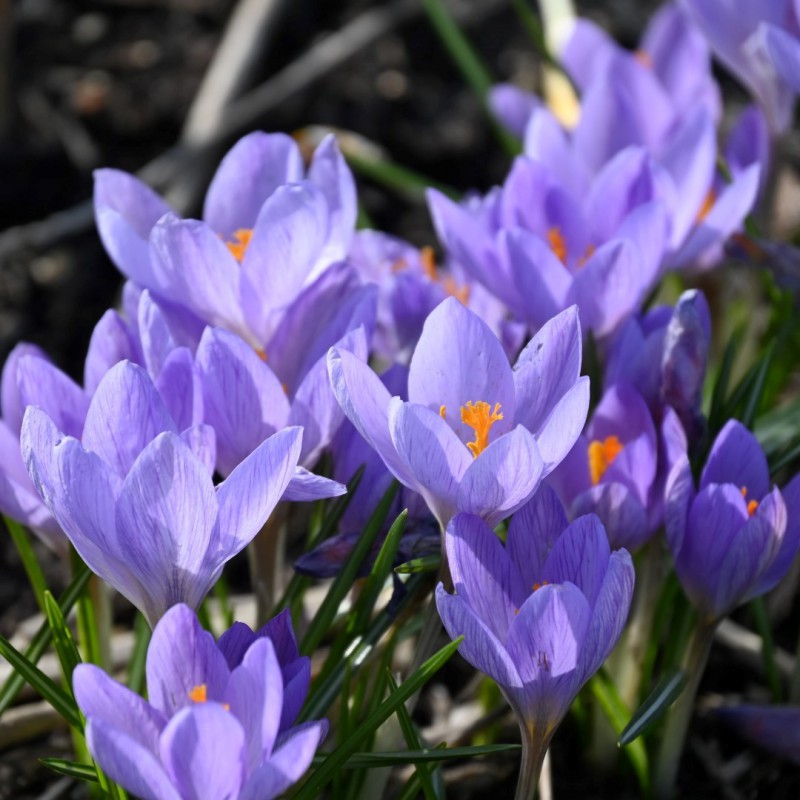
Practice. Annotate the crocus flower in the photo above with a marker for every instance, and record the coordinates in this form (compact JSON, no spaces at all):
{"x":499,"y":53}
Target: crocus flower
{"x":613,"y":469}
{"x":758,"y":43}
{"x":474,"y":435}
{"x":211,"y":728}
{"x":29,"y":378}
{"x":733,"y":538}
{"x":540,"y":615}
{"x":774,"y":728}
{"x":550,"y":239}
{"x":137,"y":499}
{"x":663,"y":354}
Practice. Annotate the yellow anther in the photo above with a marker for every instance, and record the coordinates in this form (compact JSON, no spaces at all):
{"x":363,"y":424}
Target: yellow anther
{"x":602,"y":455}
{"x":443,"y":411}
{"x":752,"y":505}
{"x":537,"y":585}
{"x":198,"y":694}
{"x":557,"y":243}
{"x":238,"y":244}
{"x":480,"y":417}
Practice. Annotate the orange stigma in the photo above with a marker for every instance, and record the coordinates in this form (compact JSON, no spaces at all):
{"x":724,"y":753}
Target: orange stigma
{"x":238,"y":244}
{"x":602,"y":455}
{"x":480,"y":417}
{"x":752,"y":505}
{"x":557,"y":243}
{"x":198,"y":694}
{"x":587,"y":254}
{"x":644,"y":58}
{"x":537,"y":585}
{"x":708,"y":204}
{"x":428,"y":260}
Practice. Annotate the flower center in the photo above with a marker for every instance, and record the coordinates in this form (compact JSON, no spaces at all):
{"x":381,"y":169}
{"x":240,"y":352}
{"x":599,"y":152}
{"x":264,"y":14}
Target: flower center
{"x":708,"y":204}
{"x":602,"y":455}
{"x":752,"y":505}
{"x":557,"y":243}
{"x":428,"y":260}
{"x":199,"y":694}
{"x":480,"y":417}
{"x":238,"y":244}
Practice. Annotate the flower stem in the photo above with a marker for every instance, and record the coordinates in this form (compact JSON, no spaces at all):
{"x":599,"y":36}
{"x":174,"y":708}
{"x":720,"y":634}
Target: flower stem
{"x":680,"y":715}
{"x":266,"y":557}
{"x":534,"y":749}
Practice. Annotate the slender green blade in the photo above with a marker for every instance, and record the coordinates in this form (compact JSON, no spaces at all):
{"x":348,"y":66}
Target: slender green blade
{"x":72,"y":769}
{"x":397,"y":177}
{"x":664,"y":694}
{"x":344,"y":580}
{"x":422,"y":564}
{"x":65,"y":646}
{"x":759,"y":383}
{"x":606,"y":694}
{"x":414,"y":743}
{"x":425,"y":755}
{"x":312,"y":786}
{"x":29,"y":561}
{"x":136,"y":668}
{"x":14,"y":683}
{"x":48,"y":689}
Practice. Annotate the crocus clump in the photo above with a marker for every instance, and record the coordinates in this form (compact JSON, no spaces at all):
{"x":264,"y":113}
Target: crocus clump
{"x":215,"y":724}
{"x":541,"y":614}
{"x":137,"y":500}
{"x":474,"y":435}
{"x":733,"y":538}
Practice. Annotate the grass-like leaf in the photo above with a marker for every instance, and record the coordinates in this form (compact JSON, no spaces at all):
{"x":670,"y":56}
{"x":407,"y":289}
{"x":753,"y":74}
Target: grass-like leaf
{"x":324,"y":617}
{"x":664,"y":694}
{"x":72,"y":769}
{"x":22,"y":541}
{"x":66,"y":650}
{"x":617,"y":713}
{"x":63,"y":703}
{"x":136,"y":667}
{"x":425,"y":755}
{"x":429,"y":563}
{"x":11,"y":688}
{"x":336,"y":760}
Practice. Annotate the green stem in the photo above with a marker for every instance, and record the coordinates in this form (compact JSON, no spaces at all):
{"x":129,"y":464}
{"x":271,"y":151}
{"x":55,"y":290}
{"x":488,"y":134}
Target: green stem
{"x":680,"y":715}
{"x":534,"y":749}
{"x":266,"y":556}
{"x":767,"y":648}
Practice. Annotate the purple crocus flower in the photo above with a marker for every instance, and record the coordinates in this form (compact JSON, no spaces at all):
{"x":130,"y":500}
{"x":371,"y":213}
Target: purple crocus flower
{"x":733,"y":538}
{"x":211,"y":728}
{"x":758,"y":43}
{"x":540,"y":615}
{"x":663,"y":354}
{"x":618,"y":466}
{"x":474,"y":435}
{"x":543,"y":243}
{"x":137,"y":499}
{"x":29,"y":378}
{"x":774,"y":728}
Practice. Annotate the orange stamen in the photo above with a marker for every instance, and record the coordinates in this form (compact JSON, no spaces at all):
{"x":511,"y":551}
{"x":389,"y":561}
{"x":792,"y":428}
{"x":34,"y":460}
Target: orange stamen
{"x":238,"y":244}
{"x":537,"y":585}
{"x":480,"y":417}
{"x":461,"y":293}
{"x":399,"y":265}
{"x":557,"y":243}
{"x":644,"y":58}
{"x":198,"y":694}
{"x":602,"y":455}
{"x":708,"y":204}
{"x":587,"y":254}
{"x":443,"y":411}
{"x":752,"y":504}
{"x":428,"y":260}
{"x":261,"y":353}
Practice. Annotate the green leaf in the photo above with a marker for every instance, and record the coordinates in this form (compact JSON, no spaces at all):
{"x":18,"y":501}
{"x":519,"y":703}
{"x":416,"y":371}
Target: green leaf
{"x":720,"y":391}
{"x":63,"y":703}
{"x":413,"y":741}
{"x":336,"y":760}
{"x":606,"y":694}
{"x":471,"y":66}
{"x":425,"y":755}
{"x":664,"y":694}
{"x":344,"y":580}
{"x":397,"y":177}
{"x":29,"y":561}
{"x":377,"y":577}
{"x":429,"y":563}
{"x":759,"y":382}
{"x":136,"y":668}
{"x":759,"y":609}
{"x":72,"y":769}
{"x":14,"y":683}
{"x":66,"y":650}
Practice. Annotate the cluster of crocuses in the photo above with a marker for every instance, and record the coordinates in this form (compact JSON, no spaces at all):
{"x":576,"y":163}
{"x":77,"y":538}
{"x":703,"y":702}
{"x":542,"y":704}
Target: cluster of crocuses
{"x":242,"y":355}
